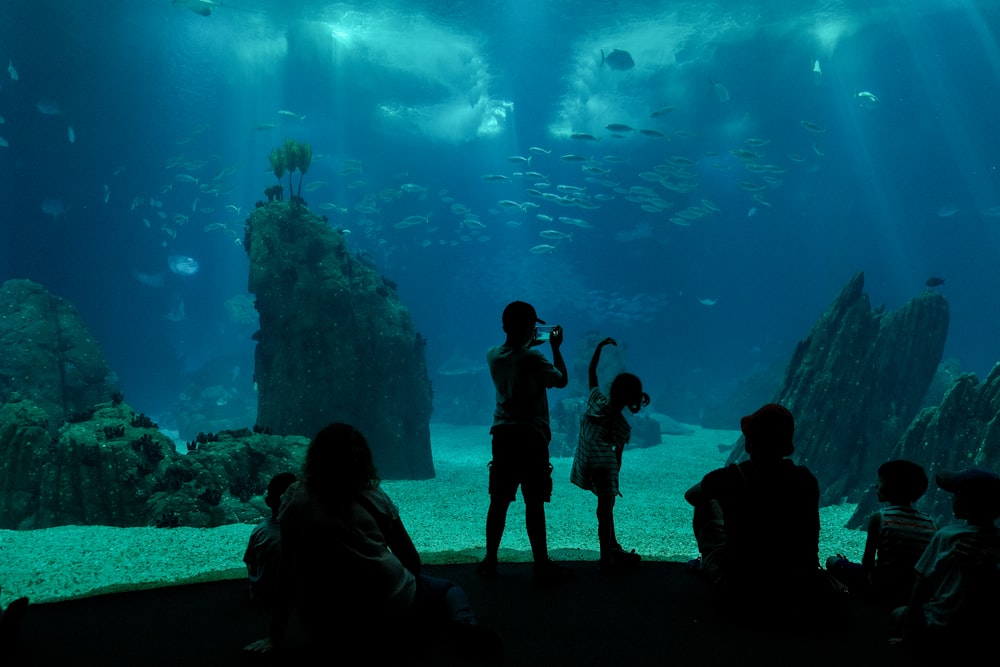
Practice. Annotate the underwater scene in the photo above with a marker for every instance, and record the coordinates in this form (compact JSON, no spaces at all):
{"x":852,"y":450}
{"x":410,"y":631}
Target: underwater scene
{"x":225,"y":224}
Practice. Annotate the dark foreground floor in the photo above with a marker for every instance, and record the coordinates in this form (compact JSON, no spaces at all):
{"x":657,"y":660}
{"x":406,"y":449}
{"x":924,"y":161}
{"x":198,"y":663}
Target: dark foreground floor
{"x":657,"y":615}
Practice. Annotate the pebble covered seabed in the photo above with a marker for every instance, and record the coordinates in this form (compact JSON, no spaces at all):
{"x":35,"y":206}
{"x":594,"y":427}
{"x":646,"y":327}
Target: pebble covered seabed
{"x":445,"y":517}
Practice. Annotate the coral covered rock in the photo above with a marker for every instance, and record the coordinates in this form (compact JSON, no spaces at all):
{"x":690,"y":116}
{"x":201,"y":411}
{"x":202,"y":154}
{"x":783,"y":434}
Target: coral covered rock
{"x":118,"y":469}
{"x":335,"y":342}
{"x":49,"y":356}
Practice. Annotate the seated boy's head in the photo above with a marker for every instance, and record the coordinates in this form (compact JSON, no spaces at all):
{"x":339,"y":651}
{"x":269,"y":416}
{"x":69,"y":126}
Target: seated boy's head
{"x":626,"y":390}
{"x":977,"y":494}
{"x":276,"y":488}
{"x":768,"y":432}
{"x":901,"y":482}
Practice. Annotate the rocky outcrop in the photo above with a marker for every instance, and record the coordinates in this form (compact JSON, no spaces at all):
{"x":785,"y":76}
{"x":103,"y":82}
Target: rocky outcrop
{"x":962,"y":432}
{"x":118,"y":469}
{"x":855,"y":384}
{"x":49,"y":356}
{"x":335,"y":342}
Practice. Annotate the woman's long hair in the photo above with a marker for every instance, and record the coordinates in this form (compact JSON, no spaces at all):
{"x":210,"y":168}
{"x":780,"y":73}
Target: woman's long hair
{"x":339,"y":464}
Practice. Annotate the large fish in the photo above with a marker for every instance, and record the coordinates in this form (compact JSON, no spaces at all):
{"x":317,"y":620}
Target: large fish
{"x":183,"y":265}
{"x":199,"y":7}
{"x":618,"y":59}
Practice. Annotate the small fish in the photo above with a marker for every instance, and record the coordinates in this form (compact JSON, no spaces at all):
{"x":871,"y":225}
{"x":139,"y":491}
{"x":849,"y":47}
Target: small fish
{"x":812,"y":127}
{"x":542,"y":249}
{"x":555,"y":235}
{"x":519,"y":158}
{"x":662,"y":111}
{"x":291,"y":114}
{"x":865,"y":99}
{"x":720,"y":91}
{"x":583,"y":136}
{"x":618,"y":60}
{"x":71,"y":134}
{"x":651,"y":133}
{"x":2,"y":121}
{"x":54,"y":207}
{"x":186,"y":178}
{"x":574,"y":158}
{"x":268,"y":126}
{"x":312,"y":186}
{"x":537,"y":149}
{"x":12,"y":71}
{"x":708,"y":302}
{"x":934,"y":281}
{"x":48,"y":107}
{"x":618,"y":127}
{"x":4,"y":143}
{"x":495,"y":177}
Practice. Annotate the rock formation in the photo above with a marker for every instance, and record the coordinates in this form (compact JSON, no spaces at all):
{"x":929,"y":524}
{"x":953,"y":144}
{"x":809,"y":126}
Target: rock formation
{"x":48,"y":355}
{"x":856,"y":383}
{"x":962,"y":432}
{"x":335,"y":342}
{"x":118,"y":469}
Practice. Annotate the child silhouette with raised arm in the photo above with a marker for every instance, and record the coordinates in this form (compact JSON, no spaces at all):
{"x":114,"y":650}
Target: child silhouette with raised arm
{"x":598,"y":459}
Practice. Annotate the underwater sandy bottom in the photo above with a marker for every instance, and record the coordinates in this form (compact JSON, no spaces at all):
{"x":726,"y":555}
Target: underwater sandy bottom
{"x":444,"y":516}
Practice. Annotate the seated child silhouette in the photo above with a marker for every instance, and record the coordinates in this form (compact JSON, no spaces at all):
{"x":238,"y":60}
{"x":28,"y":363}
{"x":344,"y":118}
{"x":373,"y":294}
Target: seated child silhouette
{"x":897,"y":536}
{"x":952,"y":609}
{"x":263,"y":553}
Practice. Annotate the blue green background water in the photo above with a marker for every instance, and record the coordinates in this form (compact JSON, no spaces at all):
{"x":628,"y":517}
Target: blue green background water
{"x":438,"y":94}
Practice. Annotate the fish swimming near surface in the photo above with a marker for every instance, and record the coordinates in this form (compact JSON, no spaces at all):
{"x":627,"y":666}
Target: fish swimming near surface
{"x":199,"y":7}
{"x":618,"y":60}
{"x":934,"y":281}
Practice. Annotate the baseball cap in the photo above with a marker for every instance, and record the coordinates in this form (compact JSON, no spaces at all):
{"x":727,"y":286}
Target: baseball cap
{"x":518,"y":315}
{"x":980,"y":487}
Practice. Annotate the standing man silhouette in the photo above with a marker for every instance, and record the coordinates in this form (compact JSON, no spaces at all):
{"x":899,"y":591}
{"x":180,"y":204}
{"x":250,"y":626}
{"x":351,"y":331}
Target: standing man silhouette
{"x":521,"y":436}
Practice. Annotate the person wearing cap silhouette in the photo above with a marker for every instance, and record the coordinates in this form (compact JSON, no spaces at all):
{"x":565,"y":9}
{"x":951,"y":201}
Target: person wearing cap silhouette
{"x":757,"y":521}
{"x":521,"y":436}
{"x":953,"y":605}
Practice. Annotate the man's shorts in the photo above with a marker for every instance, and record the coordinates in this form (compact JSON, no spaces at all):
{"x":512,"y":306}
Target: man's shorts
{"x":520,"y":458}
